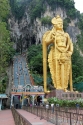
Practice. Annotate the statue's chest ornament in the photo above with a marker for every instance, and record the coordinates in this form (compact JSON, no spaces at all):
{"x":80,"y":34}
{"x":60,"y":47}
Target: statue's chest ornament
{"x":61,"y":36}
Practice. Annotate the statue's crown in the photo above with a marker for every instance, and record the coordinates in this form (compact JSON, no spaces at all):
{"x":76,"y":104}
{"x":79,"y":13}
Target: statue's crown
{"x":56,"y":19}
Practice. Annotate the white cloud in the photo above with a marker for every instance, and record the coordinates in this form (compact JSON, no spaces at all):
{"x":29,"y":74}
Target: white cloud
{"x":79,"y":5}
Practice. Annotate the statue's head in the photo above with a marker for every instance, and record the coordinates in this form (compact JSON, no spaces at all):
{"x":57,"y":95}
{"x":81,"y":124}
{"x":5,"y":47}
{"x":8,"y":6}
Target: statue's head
{"x":57,"y":22}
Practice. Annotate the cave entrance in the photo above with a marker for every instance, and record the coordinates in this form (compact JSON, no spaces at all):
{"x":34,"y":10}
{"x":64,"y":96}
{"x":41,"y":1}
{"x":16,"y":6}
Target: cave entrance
{"x":33,"y":40}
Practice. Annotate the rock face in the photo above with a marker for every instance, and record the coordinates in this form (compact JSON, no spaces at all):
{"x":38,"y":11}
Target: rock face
{"x":24,"y":33}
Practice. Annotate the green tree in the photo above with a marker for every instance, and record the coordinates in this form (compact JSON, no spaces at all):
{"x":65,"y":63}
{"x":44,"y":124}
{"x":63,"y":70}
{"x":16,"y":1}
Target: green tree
{"x":3,"y":84}
{"x":80,"y":23}
{"x":78,"y":86}
{"x":4,"y":9}
{"x":35,"y":58}
{"x":36,"y":8}
{"x":5,"y":44}
{"x":77,"y":63}
{"x":80,"y":42}
{"x":46,"y":20}
{"x":18,"y":7}
{"x":66,"y":22}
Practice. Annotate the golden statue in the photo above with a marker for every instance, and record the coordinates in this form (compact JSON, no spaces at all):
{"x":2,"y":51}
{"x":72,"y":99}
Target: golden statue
{"x":59,"y":57}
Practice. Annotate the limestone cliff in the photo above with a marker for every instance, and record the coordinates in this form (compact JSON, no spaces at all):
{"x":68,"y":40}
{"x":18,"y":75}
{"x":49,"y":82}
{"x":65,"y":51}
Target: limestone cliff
{"x":25,"y":33}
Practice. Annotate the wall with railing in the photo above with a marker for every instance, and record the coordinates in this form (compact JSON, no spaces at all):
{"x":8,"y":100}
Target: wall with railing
{"x":57,"y":115}
{"x":19,"y":119}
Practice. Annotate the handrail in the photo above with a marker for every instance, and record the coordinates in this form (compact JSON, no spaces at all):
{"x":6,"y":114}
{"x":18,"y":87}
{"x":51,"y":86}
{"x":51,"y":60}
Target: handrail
{"x":18,"y":118}
{"x":56,"y":116}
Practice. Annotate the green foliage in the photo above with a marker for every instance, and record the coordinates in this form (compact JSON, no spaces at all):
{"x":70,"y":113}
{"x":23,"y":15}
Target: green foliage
{"x":5,"y":44}
{"x":66,"y":22}
{"x":79,"y":79}
{"x":35,"y":61}
{"x":65,"y":103}
{"x":38,"y":79}
{"x":3,"y":84}
{"x":46,"y":20}
{"x":35,"y":58}
{"x":67,"y":5}
{"x":80,"y":23}
{"x":18,"y":7}
{"x":80,"y":42}
{"x":79,"y":85}
{"x":77,"y":63}
{"x":36,"y":8}
{"x":52,"y":3}
{"x":71,"y":13}
{"x":4,"y":9}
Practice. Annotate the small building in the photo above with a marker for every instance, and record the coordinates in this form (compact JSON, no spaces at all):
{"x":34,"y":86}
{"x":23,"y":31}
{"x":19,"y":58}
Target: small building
{"x":3,"y":99}
{"x":27,"y":94}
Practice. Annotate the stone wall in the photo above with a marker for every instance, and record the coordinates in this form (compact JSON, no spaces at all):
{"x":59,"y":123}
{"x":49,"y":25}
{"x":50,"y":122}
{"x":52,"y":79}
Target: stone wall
{"x":60,"y":94}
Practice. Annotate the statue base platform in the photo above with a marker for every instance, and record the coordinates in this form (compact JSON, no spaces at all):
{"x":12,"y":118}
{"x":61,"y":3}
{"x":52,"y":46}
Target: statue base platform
{"x":60,"y":94}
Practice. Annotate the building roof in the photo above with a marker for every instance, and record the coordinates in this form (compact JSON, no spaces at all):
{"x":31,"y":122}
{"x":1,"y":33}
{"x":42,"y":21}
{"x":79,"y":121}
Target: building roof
{"x":3,"y":96}
{"x":27,"y":93}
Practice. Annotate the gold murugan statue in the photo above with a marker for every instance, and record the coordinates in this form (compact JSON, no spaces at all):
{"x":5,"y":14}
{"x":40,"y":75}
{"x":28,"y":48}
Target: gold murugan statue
{"x":59,"y":57}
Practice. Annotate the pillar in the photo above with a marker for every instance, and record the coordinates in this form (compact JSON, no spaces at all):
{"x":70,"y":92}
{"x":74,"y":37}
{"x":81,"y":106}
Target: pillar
{"x":11,"y":101}
{"x":42,"y":99}
{"x":0,"y":103}
{"x":22,"y":102}
{"x":33,"y":99}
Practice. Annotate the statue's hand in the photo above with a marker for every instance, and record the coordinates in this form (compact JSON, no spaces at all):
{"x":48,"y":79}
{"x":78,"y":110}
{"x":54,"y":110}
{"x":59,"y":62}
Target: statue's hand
{"x":69,"y":54}
{"x":52,"y":35}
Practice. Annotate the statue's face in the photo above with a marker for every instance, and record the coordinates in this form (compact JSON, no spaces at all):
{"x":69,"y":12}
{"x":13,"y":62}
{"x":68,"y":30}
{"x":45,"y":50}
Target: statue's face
{"x":59,"y":25}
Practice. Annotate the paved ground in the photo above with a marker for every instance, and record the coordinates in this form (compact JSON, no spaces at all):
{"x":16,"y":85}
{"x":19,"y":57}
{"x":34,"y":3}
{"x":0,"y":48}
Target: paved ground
{"x":6,"y":118}
{"x":33,"y":119}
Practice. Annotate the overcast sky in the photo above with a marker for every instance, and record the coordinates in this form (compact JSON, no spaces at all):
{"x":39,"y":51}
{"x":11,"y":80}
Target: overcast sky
{"x":79,"y":5}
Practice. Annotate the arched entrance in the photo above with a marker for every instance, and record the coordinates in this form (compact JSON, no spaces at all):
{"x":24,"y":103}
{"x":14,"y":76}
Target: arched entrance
{"x":16,"y":101}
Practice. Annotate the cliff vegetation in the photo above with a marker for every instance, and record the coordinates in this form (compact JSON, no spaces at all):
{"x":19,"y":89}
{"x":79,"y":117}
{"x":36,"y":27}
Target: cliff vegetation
{"x":6,"y":49}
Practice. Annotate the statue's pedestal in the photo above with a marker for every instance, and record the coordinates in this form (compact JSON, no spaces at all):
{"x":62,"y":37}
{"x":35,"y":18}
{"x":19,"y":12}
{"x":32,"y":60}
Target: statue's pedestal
{"x":60,"y":94}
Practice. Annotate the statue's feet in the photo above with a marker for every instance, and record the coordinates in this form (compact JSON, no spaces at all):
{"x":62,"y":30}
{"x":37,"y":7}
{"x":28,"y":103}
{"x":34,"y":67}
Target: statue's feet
{"x":59,"y":88}
{"x":65,"y":90}
{"x":46,"y":91}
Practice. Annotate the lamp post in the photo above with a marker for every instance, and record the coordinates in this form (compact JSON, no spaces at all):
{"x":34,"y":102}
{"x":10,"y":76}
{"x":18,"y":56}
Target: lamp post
{"x":0,"y":103}
{"x":52,"y":108}
{"x":77,"y":110}
{"x":47,"y":107}
{"x":57,"y":107}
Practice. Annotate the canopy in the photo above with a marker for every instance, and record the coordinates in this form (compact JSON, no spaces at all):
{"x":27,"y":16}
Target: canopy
{"x":3,"y":96}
